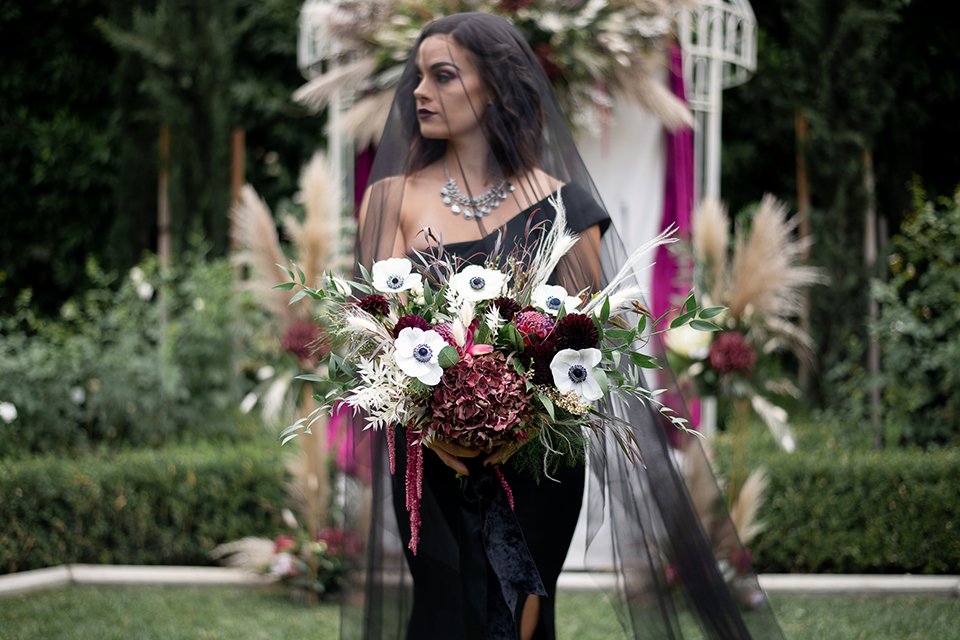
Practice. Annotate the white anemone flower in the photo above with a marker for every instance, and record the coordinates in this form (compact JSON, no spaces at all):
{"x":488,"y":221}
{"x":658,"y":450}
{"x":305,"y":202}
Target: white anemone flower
{"x":417,"y":352}
{"x":394,"y":275}
{"x":550,"y":298}
{"x":573,"y":371}
{"x":474,"y":283}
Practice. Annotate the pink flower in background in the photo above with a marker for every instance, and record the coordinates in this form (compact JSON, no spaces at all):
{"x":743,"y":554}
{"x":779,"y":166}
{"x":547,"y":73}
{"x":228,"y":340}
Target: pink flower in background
{"x":306,"y":341}
{"x":730,"y":352}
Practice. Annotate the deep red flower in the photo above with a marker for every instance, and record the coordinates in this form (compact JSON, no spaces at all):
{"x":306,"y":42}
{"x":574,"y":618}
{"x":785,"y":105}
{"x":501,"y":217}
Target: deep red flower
{"x":410,"y":321}
{"x":541,"y":353}
{"x":576,"y":331}
{"x":533,"y":323}
{"x":506,"y":307}
{"x":730,"y":352}
{"x":374,"y":304}
{"x":306,"y":341}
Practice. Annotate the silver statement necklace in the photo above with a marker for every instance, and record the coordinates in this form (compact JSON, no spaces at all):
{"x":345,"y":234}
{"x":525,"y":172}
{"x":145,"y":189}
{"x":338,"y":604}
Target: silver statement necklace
{"x":477,"y":207}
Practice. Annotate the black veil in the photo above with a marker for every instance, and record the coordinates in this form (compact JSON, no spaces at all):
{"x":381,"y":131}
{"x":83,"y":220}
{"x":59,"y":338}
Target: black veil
{"x":665,"y":581}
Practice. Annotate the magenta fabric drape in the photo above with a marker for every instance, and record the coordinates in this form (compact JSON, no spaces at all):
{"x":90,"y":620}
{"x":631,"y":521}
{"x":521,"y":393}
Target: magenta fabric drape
{"x":668,"y":290}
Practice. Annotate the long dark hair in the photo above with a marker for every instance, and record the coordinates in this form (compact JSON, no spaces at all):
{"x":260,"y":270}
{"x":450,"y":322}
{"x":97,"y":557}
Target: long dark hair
{"x":509,"y":71}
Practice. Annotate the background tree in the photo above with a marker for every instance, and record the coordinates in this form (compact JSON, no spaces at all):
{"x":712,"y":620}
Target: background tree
{"x":869,"y":75}
{"x":82,"y":107}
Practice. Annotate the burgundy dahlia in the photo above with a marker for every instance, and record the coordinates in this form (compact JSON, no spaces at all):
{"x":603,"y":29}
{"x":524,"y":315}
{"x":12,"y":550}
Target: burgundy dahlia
{"x":541,"y":355}
{"x":533,"y":323}
{"x":576,"y":331}
{"x":480,"y":402}
{"x":730,"y":352}
{"x":410,"y":321}
{"x":506,"y":307}
{"x":374,"y":304}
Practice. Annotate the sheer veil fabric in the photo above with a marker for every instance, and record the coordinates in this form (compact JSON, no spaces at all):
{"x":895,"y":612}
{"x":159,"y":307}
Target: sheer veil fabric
{"x":667,"y":582}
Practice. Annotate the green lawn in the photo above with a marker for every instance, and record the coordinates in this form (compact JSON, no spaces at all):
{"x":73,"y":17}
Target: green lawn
{"x":174,"y":613}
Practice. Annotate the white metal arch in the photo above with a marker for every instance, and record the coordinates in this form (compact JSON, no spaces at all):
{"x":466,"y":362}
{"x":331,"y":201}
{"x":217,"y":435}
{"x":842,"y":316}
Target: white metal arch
{"x":719,"y":42}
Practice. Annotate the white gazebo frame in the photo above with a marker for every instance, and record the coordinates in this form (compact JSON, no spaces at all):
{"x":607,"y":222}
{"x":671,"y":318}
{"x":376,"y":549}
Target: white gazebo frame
{"x":719,"y":42}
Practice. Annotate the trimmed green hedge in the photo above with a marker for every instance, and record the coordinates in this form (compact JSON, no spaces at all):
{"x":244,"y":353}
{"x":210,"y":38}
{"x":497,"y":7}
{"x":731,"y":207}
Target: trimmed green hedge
{"x":145,"y":507}
{"x":866,"y":512}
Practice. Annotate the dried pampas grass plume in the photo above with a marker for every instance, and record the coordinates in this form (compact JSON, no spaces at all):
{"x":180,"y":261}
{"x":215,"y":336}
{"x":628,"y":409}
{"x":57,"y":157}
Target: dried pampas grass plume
{"x":710,"y":233}
{"x":317,"y":238}
{"x":766,"y":274}
{"x":255,"y":235}
{"x":247,"y":553}
{"x":364,"y":122}
{"x":638,"y":86}
{"x":317,"y":93}
{"x":745,"y":509}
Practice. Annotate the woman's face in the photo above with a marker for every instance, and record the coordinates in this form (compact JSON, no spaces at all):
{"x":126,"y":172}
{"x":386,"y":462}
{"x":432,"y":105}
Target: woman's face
{"x":450,"y":96}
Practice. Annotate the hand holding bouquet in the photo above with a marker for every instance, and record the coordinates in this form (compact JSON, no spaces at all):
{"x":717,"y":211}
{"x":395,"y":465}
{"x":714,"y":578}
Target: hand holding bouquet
{"x":488,"y":357}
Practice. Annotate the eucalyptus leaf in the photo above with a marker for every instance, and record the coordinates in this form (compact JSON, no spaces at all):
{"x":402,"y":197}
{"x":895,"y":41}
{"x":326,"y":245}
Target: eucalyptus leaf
{"x":711,"y":312}
{"x":703,"y":325}
{"x":448,"y":357}
{"x":548,"y":405}
{"x":643,"y":361}
{"x":284,"y":286}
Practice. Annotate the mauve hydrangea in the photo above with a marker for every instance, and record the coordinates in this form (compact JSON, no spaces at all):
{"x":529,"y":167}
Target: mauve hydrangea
{"x":481,"y":403}
{"x":730,"y":352}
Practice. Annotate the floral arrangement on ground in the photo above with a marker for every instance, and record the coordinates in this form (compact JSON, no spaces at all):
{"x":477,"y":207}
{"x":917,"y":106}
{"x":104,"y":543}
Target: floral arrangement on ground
{"x":489,"y":356}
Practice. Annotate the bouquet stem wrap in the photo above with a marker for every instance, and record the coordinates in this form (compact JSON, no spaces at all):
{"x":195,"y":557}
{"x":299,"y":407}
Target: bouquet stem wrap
{"x":490,"y":533}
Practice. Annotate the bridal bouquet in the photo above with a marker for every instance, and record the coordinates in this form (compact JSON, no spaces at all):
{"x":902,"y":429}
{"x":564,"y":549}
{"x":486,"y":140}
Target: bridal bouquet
{"x":488,"y":356}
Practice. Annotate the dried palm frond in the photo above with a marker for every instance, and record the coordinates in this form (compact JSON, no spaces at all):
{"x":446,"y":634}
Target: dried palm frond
{"x":745,"y":509}
{"x":259,"y":247}
{"x":710,"y":235}
{"x":317,"y":93}
{"x":363,"y":123}
{"x":766,"y":274}
{"x":317,"y":238}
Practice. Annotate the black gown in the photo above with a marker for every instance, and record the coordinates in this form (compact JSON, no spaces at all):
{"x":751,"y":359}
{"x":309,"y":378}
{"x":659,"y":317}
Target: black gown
{"x":547,"y":512}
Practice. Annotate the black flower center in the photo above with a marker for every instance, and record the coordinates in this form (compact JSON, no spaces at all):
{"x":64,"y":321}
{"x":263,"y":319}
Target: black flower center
{"x":577,"y":373}
{"x":477,"y":283}
{"x":423,"y":353}
{"x":394,"y":282}
{"x":553,"y":303}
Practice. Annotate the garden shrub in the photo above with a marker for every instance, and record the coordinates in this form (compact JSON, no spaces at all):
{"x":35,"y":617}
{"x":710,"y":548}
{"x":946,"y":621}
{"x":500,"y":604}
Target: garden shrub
{"x":919,"y":326}
{"x":891,"y":511}
{"x":147,"y":507}
{"x":150,"y":360}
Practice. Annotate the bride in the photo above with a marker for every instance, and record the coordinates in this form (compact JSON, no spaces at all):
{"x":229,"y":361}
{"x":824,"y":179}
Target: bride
{"x":473,"y":147}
